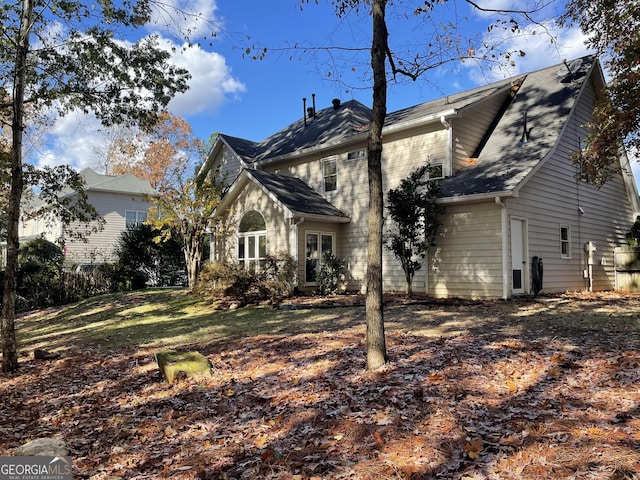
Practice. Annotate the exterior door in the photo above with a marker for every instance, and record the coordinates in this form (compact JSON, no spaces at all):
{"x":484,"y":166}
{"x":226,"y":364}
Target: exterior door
{"x":518,"y":257}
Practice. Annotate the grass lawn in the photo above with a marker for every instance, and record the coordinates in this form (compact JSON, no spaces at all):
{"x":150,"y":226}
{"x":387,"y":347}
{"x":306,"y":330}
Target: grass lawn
{"x":522,"y":389}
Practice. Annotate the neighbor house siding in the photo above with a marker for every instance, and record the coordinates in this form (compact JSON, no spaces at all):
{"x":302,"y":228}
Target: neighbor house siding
{"x":467,"y":259}
{"x":552,"y":198}
{"x":100,"y":246}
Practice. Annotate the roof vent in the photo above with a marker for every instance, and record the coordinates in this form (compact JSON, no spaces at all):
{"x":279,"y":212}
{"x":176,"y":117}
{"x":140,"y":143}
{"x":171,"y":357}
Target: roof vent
{"x":336,"y":103}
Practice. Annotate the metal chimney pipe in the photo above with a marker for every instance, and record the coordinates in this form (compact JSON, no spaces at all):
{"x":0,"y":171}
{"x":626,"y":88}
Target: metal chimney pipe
{"x":313,"y":96}
{"x":304,"y":109}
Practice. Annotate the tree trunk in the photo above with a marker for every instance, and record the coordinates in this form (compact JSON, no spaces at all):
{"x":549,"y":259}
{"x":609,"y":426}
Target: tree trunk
{"x":409,"y":280}
{"x":376,"y":346}
{"x":9,"y":344}
{"x":192,"y":246}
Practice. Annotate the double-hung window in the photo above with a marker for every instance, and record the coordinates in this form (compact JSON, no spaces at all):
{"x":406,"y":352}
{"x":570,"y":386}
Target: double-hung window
{"x":330,"y":174}
{"x":434,"y":171}
{"x":133,"y":218}
{"x":565,"y":241}
{"x":319,"y":245}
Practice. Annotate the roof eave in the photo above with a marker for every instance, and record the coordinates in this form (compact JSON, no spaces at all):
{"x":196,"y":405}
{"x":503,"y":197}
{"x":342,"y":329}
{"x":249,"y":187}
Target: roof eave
{"x":476,"y":197}
{"x":320,"y":218}
{"x":356,"y":139}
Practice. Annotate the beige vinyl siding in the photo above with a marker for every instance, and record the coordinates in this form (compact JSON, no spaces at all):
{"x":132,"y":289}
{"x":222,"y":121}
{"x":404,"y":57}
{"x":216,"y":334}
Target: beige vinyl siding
{"x":100,"y":246}
{"x":278,"y":229}
{"x":229,"y":164}
{"x":401,"y":155}
{"x":470,"y":128}
{"x":467,"y":259}
{"x":319,"y":228}
{"x":551,"y":198}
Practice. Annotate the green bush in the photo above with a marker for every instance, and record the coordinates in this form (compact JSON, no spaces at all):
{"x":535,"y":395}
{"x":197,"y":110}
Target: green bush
{"x":273,"y":282}
{"x":145,"y":260}
{"x":633,"y":236}
{"x":39,"y":281}
{"x":330,"y":276}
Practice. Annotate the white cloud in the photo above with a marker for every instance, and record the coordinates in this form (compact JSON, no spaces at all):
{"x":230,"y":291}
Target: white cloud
{"x":190,"y":18}
{"x":543,"y":46}
{"x":70,"y":142}
{"x":210,"y":84}
{"x":73,"y":137}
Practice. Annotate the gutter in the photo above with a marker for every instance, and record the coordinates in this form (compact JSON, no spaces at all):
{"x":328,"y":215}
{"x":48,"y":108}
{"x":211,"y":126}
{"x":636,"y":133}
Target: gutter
{"x":358,"y":138}
{"x":479,"y":197}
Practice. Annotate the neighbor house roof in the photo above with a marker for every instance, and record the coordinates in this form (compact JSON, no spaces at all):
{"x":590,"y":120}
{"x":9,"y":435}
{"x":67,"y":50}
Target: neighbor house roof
{"x":127,"y":183}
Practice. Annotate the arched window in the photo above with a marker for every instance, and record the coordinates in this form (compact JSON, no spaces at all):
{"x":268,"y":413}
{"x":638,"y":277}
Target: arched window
{"x":252,"y":240}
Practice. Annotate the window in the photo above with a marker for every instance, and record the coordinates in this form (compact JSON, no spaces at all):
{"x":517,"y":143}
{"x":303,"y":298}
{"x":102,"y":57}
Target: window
{"x":435,"y":171}
{"x":357,"y":154}
{"x":252,"y":241}
{"x":318,"y":245}
{"x":330,"y":174}
{"x":565,"y":241}
{"x":133,"y":219}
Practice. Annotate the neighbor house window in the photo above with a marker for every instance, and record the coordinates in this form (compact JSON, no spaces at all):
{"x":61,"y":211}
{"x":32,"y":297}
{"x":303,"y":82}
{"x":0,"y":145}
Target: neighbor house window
{"x":565,"y":241}
{"x":330,"y":174}
{"x":252,"y":241}
{"x":133,"y":219}
{"x":319,"y":245}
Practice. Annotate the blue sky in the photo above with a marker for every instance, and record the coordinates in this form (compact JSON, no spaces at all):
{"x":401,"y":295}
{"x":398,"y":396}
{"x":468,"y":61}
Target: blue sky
{"x":252,"y":99}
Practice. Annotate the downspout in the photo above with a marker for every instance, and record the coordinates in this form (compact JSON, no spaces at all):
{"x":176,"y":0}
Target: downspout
{"x":448,"y":163}
{"x":505,"y":247}
{"x":294,"y":244}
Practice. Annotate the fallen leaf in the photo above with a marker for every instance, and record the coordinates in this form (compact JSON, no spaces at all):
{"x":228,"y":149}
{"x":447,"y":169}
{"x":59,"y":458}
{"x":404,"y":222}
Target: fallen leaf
{"x":473,"y":448}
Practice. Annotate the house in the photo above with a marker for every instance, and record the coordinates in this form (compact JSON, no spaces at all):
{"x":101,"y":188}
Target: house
{"x":512,"y":196}
{"x":122,"y":201}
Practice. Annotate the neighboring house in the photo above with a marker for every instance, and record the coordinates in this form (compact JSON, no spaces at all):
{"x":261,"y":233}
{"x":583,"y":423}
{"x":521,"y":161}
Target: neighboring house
{"x":122,"y":201}
{"x":509,"y":188}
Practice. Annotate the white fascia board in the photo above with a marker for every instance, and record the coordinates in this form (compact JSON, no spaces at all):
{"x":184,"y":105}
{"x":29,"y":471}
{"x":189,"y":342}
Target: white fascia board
{"x":359,"y":138}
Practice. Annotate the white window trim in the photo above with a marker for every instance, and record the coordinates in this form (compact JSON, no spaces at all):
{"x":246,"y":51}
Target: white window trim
{"x":319,"y":234}
{"x":138,"y":213}
{"x":432,"y":165}
{"x":255,"y":255}
{"x":357,"y":154}
{"x":324,"y":161}
{"x":567,"y":241}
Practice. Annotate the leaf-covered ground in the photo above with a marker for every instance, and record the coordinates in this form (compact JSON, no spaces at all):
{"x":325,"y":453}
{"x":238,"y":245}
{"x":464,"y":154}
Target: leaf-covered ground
{"x":528,"y":389}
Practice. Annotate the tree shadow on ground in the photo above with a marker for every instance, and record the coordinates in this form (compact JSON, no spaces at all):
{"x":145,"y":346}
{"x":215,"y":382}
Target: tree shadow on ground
{"x":510,"y":395}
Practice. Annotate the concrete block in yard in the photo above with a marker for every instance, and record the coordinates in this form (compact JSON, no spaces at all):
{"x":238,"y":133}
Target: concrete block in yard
{"x":172,"y":364}
{"x":43,"y":447}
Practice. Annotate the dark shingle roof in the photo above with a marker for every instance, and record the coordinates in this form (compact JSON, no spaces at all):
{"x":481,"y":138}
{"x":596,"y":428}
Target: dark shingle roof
{"x":328,"y":126}
{"x":547,"y":96}
{"x":295,"y":195}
